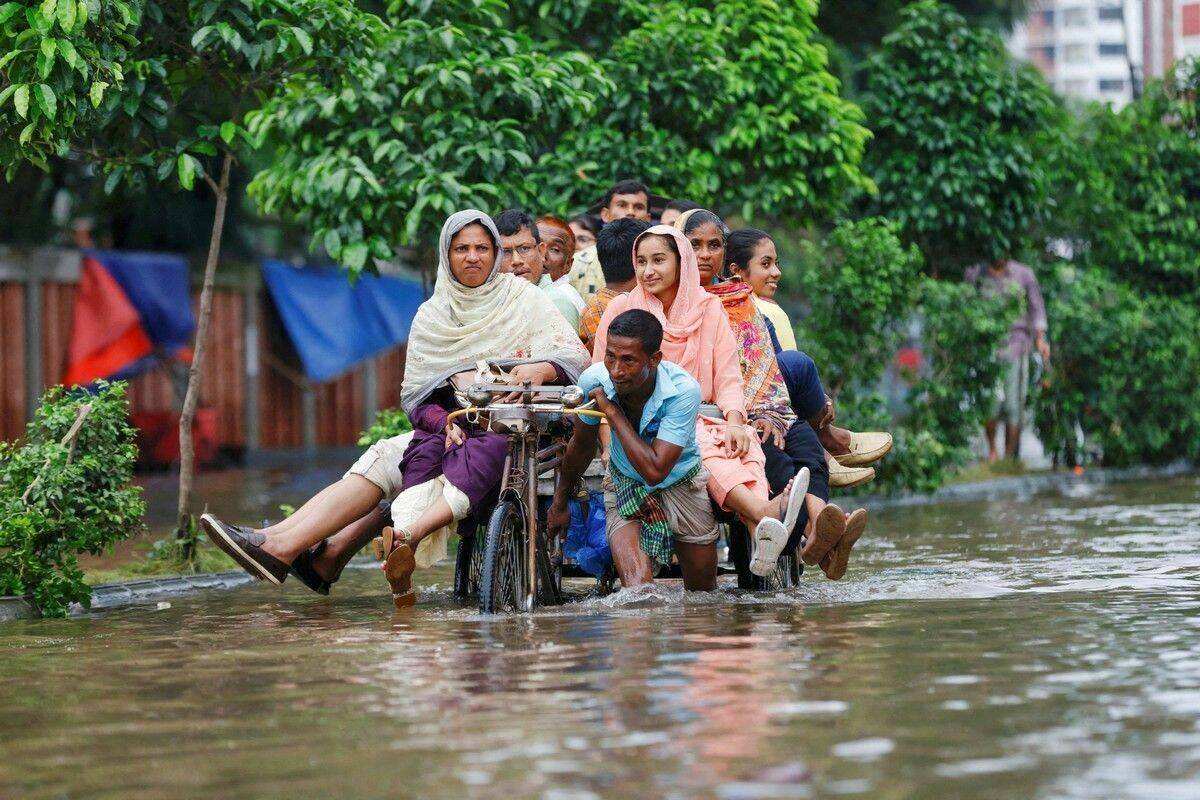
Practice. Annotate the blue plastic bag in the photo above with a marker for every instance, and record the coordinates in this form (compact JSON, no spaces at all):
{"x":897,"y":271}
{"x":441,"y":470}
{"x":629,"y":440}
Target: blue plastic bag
{"x":587,"y":541}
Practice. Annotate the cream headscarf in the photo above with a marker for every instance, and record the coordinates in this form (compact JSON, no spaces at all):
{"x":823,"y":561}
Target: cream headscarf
{"x":505,"y":321}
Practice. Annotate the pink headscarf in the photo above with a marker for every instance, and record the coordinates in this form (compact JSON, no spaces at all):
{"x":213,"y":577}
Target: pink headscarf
{"x":680,"y":342}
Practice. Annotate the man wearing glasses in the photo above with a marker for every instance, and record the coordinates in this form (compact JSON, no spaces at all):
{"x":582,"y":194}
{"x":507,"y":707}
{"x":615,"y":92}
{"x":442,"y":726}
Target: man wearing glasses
{"x":525,"y":257}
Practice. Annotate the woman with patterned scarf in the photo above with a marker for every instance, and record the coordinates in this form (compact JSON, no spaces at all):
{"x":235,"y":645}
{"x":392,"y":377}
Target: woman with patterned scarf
{"x":788,"y":442}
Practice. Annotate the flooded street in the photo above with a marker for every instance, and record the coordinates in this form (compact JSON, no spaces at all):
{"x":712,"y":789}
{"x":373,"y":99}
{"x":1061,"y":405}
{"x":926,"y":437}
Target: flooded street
{"x":1040,"y":648}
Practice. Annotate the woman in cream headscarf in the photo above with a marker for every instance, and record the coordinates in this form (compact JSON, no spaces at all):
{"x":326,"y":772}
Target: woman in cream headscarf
{"x":697,"y":337}
{"x":475,"y":314}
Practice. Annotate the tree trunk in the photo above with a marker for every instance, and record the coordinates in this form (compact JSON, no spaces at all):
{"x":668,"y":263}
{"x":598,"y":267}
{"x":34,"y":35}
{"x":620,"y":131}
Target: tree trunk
{"x":187,"y":455}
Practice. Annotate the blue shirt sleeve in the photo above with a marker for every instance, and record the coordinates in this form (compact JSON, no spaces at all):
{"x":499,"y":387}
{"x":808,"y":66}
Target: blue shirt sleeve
{"x":588,"y":380}
{"x":678,"y":423}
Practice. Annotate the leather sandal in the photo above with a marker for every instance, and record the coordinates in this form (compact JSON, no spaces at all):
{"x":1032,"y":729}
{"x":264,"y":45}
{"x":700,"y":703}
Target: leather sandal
{"x":835,"y":563}
{"x":828,"y":529}
{"x":398,"y":567}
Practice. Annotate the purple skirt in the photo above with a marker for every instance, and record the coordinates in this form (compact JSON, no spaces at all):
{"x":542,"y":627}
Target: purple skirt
{"x":474,"y":467}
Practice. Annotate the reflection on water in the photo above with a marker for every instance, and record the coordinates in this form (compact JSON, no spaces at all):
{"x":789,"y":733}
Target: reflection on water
{"x":1048,"y":648}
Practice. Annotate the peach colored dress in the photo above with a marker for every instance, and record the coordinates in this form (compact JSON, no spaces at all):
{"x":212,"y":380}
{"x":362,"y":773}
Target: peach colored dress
{"x":697,"y":337}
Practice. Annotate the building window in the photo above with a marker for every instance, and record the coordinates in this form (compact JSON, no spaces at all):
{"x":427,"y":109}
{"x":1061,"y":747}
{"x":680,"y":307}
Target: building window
{"x":1112,"y":49}
{"x":1110,"y":13}
{"x":1191,"y":19}
{"x":1076,"y":87}
{"x":1075,"y":17}
{"x":1075,"y":53}
{"x":1112,"y":85}
{"x":1047,"y":18}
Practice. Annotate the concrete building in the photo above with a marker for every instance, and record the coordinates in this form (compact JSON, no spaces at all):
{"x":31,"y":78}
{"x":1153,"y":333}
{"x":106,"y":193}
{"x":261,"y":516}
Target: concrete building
{"x":1170,"y":31}
{"x":1087,"y":49}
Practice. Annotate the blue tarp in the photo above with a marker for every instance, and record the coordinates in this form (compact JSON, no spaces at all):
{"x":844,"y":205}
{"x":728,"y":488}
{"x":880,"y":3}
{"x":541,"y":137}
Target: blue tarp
{"x":333,"y":324}
{"x":157,"y":285}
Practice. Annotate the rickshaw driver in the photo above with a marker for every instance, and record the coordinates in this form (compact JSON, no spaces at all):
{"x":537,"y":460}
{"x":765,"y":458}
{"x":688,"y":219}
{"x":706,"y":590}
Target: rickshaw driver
{"x":655,"y":494}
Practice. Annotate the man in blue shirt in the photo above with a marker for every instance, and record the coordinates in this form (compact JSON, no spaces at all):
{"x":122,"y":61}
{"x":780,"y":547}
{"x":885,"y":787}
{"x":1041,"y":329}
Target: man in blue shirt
{"x":655,"y":494}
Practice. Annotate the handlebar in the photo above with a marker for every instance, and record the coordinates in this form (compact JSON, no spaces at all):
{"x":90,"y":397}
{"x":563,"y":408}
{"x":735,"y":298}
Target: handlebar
{"x":580,"y":412}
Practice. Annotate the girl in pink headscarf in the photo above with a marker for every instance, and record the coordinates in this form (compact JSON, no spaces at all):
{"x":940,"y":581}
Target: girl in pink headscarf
{"x":697,"y":337}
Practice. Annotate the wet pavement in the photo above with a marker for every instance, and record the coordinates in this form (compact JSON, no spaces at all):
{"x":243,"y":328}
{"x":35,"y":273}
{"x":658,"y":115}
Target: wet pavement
{"x":1046,"y":648}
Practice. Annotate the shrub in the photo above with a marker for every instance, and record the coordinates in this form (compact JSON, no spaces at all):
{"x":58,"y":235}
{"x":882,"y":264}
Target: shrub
{"x":860,"y":284}
{"x":388,"y":423}
{"x":66,"y":490}
{"x":864,"y":289}
{"x":1124,"y":371}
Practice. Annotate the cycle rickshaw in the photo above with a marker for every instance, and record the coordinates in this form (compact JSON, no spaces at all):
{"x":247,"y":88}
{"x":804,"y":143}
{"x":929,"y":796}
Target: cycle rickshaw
{"x":510,"y":562}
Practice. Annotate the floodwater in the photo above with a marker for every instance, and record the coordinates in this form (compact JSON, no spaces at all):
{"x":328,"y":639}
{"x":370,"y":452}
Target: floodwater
{"x":1041,"y":648}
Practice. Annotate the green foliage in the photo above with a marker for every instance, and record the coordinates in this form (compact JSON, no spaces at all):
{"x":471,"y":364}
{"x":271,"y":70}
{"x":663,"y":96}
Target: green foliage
{"x":1123,"y":315}
{"x":955,"y":121}
{"x":58,"y":60}
{"x":860,"y":284}
{"x":64,"y":494}
{"x":1127,"y":187}
{"x":489,"y":104}
{"x":1124,"y":370}
{"x":859,"y":25}
{"x":961,"y":331}
{"x":864,"y":289}
{"x":388,"y":423}
{"x":166,"y":85}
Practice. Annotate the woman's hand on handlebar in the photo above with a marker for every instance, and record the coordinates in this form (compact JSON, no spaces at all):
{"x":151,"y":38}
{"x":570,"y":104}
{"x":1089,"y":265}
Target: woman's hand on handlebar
{"x":536,"y":374}
{"x":454,"y":435}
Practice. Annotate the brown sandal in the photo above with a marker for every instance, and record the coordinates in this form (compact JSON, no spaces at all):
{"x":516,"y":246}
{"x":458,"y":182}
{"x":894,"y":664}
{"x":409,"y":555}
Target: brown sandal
{"x":835,"y":564}
{"x":828,"y":528}
{"x":398,"y":567}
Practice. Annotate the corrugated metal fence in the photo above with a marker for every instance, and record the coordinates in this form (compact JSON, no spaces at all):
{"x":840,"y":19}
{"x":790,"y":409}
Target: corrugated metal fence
{"x":261,"y":402}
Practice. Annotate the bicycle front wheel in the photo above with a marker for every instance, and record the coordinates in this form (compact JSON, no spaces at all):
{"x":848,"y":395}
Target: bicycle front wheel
{"x":503,"y":580}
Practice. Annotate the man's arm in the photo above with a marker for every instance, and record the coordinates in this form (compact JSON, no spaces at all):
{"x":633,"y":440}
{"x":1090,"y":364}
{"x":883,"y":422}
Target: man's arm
{"x":581,"y":449}
{"x":653,"y":461}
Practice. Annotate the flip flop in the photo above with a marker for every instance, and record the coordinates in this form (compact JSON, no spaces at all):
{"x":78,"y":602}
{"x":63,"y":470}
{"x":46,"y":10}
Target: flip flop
{"x":398,"y":567}
{"x":828,"y":529}
{"x":835,"y":564}
{"x":770,"y":537}
{"x":796,"y":499}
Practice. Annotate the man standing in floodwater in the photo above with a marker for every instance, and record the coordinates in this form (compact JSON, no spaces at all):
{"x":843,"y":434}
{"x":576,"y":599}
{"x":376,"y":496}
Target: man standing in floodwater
{"x":1007,"y":277}
{"x":655,"y":493}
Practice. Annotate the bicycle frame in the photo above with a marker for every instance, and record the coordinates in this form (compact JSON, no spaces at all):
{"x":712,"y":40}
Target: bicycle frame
{"x":524,"y":423}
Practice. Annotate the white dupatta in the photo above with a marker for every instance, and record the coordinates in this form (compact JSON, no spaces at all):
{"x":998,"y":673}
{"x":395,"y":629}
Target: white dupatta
{"x":506,"y":321}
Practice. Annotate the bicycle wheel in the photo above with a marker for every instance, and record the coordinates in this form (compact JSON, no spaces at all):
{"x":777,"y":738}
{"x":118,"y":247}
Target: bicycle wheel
{"x":787,"y":570}
{"x":502,"y":581}
{"x":468,"y":564}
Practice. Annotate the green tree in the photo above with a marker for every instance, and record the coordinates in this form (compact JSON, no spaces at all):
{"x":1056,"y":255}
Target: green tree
{"x":159,"y":92}
{"x":66,"y":490}
{"x":860,"y":285}
{"x":1126,"y":187}
{"x":956,"y":122}
{"x":865,"y":292}
{"x":489,"y":104}
{"x":859,"y":25}
{"x":1123,"y":313}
